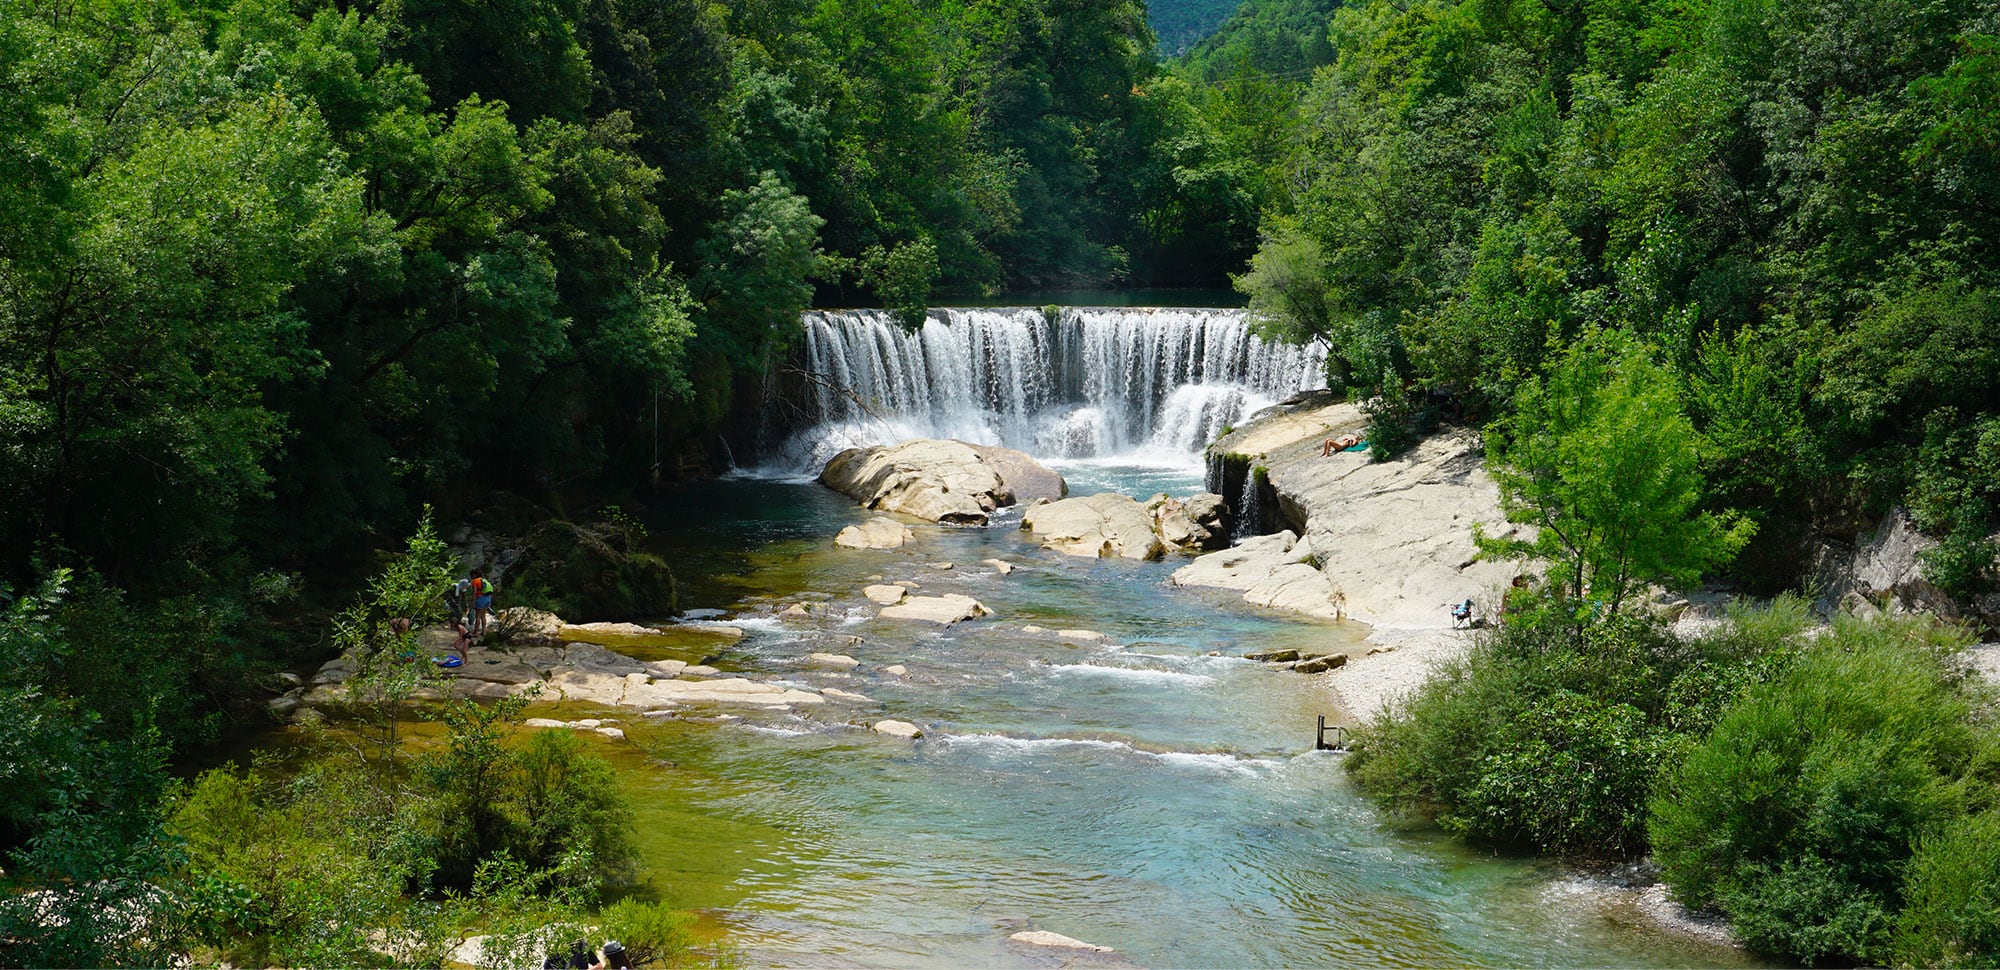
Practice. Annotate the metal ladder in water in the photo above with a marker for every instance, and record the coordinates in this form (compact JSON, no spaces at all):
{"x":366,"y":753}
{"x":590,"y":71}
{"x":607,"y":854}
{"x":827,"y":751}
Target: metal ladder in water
{"x":1339,"y":736}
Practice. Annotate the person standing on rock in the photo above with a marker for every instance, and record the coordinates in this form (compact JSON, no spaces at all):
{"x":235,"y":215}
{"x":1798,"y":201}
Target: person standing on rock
{"x":482,"y":602}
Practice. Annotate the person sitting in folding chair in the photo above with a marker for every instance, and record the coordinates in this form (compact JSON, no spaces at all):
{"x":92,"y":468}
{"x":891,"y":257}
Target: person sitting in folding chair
{"x":1461,"y":613}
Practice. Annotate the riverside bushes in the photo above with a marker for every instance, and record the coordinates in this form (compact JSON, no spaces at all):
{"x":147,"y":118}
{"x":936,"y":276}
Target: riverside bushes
{"x":333,"y":860}
{"x":1836,"y":796}
{"x":1800,"y":813}
{"x":1548,"y":736}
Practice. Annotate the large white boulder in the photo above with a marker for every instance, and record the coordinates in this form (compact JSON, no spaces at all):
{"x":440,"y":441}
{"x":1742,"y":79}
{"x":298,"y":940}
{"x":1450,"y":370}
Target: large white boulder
{"x":936,"y":480}
{"x":1103,"y":526}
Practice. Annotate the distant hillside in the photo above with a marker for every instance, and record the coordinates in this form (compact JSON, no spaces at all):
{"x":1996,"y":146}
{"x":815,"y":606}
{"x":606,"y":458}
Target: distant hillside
{"x":1267,"y":37}
{"x":1180,"y":24}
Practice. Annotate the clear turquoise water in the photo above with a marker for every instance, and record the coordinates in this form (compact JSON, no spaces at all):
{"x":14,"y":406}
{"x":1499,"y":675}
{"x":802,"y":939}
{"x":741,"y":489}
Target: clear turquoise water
{"x":1139,"y":794}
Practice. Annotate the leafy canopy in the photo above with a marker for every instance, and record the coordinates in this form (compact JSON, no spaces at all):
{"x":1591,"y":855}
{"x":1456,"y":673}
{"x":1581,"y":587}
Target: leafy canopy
{"x":1599,"y":460}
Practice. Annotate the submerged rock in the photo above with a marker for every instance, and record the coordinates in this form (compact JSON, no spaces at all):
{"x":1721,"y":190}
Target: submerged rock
{"x":604,"y":633}
{"x":1046,"y":938}
{"x":1103,"y":526}
{"x":937,"y":480}
{"x":876,"y":533}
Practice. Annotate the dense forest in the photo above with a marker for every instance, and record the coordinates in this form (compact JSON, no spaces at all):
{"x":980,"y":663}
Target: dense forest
{"x":275,"y":274}
{"x":1793,"y":204}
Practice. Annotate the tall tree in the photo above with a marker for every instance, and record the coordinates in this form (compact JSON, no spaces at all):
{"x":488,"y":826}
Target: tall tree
{"x":1600,"y":462}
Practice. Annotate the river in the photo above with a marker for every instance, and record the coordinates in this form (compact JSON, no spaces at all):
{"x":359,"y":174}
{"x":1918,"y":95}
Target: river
{"x":1152,"y":793}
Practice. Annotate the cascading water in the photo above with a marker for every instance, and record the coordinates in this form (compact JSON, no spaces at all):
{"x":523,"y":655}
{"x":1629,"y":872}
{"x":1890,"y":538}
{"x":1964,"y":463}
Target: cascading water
{"x":1148,"y":386}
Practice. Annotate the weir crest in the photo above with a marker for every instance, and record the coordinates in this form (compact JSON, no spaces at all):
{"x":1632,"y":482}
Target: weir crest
{"x":1147,"y":386}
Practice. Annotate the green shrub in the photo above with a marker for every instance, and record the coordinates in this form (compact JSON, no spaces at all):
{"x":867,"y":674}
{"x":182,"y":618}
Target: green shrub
{"x":280,"y":871}
{"x":1798,"y":814}
{"x":569,"y":808}
{"x":1549,"y":736}
{"x":548,"y":803}
{"x":1951,"y":908}
{"x":651,"y":932}
{"x":1573,"y":781}
{"x":1540,"y":739}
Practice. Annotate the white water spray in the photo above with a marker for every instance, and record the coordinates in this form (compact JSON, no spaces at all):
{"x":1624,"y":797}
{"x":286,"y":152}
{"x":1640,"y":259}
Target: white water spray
{"x":1146,"y":386}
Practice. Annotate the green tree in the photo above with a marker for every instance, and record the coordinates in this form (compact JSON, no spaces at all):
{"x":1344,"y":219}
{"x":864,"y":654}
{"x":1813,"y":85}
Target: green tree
{"x":1600,"y":462}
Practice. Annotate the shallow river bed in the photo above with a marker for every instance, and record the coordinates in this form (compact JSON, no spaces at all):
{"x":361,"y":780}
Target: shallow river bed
{"x":1137,"y":793}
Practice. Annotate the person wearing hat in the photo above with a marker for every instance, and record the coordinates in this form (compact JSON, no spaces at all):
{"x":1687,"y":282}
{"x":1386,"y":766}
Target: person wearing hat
{"x":612,"y":957}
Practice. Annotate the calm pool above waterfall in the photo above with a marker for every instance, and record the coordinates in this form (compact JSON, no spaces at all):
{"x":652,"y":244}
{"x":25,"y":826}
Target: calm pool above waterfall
{"x":1143,"y":793}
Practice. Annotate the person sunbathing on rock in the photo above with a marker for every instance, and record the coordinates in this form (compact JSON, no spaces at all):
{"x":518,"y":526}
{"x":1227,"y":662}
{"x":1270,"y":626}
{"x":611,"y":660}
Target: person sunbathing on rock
{"x":1341,"y":443}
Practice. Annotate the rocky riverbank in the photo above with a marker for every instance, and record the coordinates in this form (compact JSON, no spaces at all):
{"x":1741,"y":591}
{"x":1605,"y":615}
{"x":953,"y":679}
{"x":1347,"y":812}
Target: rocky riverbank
{"x":1383,"y":543}
{"x":601,"y":664}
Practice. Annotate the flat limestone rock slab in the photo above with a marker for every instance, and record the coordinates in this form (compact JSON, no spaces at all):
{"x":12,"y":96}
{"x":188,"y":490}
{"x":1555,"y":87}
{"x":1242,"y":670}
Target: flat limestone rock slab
{"x":1296,"y":587}
{"x":1395,"y":537}
{"x":898,"y":729}
{"x":1293,"y":429}
{"x":943,"y":610}
{"x":885,"y":595}
{"x":1242,"y":567}
{"x":494,"y":667}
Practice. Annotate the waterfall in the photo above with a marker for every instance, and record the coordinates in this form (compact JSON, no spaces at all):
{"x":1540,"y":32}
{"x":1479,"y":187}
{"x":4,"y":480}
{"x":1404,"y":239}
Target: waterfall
{"x":1144,"y":385}
{"x":1250,"y":519}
